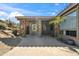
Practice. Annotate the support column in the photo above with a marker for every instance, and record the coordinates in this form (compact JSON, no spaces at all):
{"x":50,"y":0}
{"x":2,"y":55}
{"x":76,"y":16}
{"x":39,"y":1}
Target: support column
{"x":39,"y":27}
{"x":64,"y":32}
{"x":24,"y":23}
{"x":23,"y":27}
{"x":77,"y":22}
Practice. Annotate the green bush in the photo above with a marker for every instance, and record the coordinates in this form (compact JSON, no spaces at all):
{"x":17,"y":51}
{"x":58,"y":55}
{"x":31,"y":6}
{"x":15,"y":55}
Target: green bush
{"x":2,"y":27}
{"x":15,"y":32}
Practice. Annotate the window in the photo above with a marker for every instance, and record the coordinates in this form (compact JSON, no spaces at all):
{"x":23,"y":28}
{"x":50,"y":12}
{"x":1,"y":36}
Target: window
{"x":71,"y":33}
{"x":72,"y":14}
{"x":69,"y":22}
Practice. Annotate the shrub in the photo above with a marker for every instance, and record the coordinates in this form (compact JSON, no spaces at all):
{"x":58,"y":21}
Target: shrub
{"x":15,"y":32}
{"x":2,"y":27}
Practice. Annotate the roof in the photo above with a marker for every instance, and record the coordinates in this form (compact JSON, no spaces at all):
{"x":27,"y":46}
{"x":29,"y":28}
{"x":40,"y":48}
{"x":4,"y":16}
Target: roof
{"x":30,"y":18}
{"x":67,"y":9}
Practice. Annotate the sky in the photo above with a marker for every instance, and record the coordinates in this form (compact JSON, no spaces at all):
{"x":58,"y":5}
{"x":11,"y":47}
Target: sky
{"x":10,"y":10}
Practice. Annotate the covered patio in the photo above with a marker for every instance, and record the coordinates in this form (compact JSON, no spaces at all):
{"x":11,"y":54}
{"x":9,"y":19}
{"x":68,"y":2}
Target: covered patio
{"x":35,"y":25}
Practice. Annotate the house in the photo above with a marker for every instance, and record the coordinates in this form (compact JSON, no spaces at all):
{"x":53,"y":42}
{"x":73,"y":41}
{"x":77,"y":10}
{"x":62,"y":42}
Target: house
{"x":69,"y":25}
{"x":39,"y":25}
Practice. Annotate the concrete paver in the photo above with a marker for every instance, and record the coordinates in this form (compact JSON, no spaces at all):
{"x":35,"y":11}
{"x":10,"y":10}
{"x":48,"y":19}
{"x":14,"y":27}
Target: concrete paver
{"x":37,"y":46}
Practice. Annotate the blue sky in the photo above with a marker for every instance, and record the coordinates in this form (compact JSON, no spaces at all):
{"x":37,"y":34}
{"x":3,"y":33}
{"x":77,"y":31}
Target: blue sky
{"x":10,"y":10}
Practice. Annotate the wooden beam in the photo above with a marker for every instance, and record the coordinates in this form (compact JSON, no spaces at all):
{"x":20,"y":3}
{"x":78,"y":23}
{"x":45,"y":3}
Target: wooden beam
{"x":77,"y":22}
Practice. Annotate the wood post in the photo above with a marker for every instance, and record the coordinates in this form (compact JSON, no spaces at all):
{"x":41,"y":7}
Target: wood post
{"x":77,"y":22}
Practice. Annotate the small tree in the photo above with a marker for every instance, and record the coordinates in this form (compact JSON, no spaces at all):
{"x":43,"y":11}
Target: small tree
{"x":56,"y":21}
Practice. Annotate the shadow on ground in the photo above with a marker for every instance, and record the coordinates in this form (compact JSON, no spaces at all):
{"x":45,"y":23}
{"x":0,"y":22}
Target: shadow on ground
{"x":10,"y":41}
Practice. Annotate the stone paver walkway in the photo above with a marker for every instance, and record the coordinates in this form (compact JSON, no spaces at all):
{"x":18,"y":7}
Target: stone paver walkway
{"x":37,"y":46}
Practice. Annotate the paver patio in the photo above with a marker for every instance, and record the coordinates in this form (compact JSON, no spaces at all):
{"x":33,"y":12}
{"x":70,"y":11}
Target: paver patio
{"x":34,"y":45}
